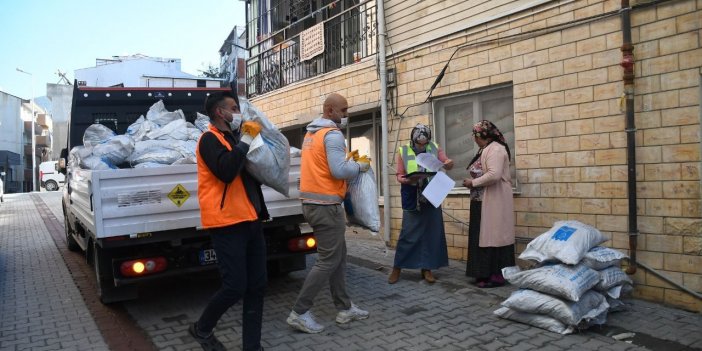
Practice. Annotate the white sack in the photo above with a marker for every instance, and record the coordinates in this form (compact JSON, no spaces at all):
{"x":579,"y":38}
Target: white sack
{"x":97,"y":134}
{"x":202,"y":122}
{"x":569,"y":282}
{"x":269,"y":153}
{"x":95,"y":163}
{"x":116,"y":150}
{"x":616,"y":305}
{"x":140,"y":128}
{"x":160,"y":151}
{"x":159,"y":115}
{"x":361,"y":203}
{"x":566,"y":241}
{"x":77,"y":154}
{"x":150,"y":165}
{"x":612,"y":276}
{"x":175,"y":130}
{"x":590,"y":305}
{"x":600,"y":257}
{"x":536,"y":320}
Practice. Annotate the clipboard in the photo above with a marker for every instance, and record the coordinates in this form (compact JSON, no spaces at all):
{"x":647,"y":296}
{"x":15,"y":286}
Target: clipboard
{"x":419,"y":175}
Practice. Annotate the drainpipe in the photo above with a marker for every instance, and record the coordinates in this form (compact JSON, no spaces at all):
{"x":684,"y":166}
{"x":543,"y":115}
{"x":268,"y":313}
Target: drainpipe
{"x":628,"y":65}
{"x":384,"y":117}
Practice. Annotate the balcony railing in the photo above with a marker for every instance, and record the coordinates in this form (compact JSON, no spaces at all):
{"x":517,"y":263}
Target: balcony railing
{"x":348,"y":37}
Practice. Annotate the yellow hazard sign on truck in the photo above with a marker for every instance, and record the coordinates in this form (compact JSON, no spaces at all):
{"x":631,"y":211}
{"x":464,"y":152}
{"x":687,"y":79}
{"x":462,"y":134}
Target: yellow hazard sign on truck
{"x":179,"y":195}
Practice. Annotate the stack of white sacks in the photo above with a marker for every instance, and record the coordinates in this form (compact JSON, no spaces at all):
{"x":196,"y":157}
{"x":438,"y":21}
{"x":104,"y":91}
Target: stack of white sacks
{"x":575,"y":284}
{"x":159,"y":139}
{"x":165,"y":138}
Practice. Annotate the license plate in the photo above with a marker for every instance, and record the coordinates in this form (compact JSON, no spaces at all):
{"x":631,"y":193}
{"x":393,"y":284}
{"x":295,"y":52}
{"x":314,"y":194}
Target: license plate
{"x":208,"y":257}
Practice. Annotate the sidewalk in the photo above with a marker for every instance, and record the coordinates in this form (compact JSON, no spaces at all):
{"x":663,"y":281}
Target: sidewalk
{"x":40,"y":306}
{"x":654,"y":326}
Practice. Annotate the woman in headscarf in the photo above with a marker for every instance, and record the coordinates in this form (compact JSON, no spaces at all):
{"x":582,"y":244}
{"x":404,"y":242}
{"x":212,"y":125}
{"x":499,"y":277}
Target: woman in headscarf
{"x":422,"y":242}
{"x":491,"y":227}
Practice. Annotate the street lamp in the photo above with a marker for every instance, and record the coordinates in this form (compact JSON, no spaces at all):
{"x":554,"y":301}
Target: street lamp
{"x":34,"y":148}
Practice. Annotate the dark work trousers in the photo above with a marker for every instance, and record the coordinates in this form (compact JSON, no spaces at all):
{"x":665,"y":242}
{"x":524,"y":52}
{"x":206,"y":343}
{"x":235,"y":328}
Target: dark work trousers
{"x":241,"y":256}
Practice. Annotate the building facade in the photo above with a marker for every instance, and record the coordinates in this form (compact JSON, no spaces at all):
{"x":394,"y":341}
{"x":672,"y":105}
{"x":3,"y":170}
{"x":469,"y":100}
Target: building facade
{"x":550,"y":75}
{"x":140,"y":71}
{"x":233,"y":56}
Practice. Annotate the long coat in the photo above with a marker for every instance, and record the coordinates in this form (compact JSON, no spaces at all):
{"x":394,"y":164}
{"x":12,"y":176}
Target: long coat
{"x":497,"y":214}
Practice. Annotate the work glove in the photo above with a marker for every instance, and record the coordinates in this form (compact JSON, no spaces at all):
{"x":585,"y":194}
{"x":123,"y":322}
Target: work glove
{"x":364,"y":163}
{"x":352,"y":155}
{"x":251,"y":128}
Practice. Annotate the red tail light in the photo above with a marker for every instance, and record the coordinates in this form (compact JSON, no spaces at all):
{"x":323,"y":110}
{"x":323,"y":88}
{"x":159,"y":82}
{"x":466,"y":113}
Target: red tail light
{"x":143,"y":266}
{"x":303,"y":243}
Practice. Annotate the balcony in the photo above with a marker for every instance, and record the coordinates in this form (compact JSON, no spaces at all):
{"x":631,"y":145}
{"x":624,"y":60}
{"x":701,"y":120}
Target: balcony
{"x":348,"y":36}
{"x":38,"y":129}
{"x":43,"y":120}
{"x":42,"y":141}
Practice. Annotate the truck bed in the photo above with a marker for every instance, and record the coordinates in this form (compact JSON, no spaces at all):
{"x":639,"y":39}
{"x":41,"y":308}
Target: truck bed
{"x":144,"y":200}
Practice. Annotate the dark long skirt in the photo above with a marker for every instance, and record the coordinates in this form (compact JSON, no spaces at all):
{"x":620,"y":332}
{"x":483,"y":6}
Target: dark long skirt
{"x":484,"y":261}
{"x":422,"y":242}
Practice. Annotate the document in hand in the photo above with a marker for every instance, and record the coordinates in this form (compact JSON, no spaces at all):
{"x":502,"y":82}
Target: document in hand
{"x":429,"y":162}
{"x":438,"y":188}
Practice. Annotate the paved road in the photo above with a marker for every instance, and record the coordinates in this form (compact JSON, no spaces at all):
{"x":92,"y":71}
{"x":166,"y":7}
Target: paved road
{"x":410,"y":315}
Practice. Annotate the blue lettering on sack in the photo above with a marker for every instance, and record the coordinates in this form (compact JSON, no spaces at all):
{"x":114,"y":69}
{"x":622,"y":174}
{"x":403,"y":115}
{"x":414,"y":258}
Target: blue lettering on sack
{"x":563,"y":233}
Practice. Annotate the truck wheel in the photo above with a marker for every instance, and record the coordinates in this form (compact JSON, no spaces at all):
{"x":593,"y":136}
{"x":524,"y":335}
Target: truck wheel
{"x":106,"y":289}
{"x":51,"y":185}
{"x":71,"y":242}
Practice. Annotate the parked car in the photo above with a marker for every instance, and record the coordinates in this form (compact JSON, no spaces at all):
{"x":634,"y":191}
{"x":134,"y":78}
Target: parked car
{"x":49,"y":175}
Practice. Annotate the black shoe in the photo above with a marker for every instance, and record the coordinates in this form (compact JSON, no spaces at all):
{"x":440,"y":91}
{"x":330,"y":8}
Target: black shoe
{"x":209,"y":343}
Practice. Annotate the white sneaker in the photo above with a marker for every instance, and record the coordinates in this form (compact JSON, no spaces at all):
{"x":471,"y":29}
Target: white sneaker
{"x":304,"y":322}
{"x":352,"y":314}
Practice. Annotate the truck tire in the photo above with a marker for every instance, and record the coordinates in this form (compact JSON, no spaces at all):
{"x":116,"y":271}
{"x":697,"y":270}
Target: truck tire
{"x":106,"y":289}
{"x":71,"y":242}
{"x":51,"y":185}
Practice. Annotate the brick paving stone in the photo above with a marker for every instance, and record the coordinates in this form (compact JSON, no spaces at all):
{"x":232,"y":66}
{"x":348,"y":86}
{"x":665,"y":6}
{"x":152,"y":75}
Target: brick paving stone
{"x":410,"y":315}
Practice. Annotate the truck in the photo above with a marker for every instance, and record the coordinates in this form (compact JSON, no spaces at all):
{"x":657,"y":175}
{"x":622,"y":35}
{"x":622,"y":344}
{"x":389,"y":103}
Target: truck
{"x":140,"y":224}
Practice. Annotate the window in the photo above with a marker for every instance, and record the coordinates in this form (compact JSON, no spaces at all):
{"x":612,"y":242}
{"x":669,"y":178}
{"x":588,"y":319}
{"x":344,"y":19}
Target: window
{"x":453,"y":124}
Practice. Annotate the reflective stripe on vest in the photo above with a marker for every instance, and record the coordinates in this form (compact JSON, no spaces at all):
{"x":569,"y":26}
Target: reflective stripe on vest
{"x":410,"y":159}
{"x":221,"y":204}
{"x":316,"y":180}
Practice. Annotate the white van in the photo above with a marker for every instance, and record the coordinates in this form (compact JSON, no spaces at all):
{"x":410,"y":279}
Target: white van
{"x":49,"y":175}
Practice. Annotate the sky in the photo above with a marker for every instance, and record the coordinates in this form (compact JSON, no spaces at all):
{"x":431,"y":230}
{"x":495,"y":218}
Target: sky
{"x":43,"y":36}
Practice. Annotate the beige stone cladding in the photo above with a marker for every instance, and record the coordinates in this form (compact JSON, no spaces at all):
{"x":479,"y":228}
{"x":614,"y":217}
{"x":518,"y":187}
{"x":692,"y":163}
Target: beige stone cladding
{"x":570,"y":139}
{"x":569,"y":124}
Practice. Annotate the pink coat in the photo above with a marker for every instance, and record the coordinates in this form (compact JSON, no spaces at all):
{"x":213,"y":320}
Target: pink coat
{"x":497,"y":215}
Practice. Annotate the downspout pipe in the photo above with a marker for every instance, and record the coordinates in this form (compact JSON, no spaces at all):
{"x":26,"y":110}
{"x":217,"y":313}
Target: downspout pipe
{"x":382,"y":67}
{"x":628,"y":65}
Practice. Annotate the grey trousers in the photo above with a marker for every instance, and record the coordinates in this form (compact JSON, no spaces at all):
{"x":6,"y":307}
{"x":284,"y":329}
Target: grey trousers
{"x":329,"y":225}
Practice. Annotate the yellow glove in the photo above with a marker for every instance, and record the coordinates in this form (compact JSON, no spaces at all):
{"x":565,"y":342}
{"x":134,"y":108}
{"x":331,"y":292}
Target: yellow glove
{"x":364,"y":163}
{"x":353,"y":154}
{"x":251,"y":128}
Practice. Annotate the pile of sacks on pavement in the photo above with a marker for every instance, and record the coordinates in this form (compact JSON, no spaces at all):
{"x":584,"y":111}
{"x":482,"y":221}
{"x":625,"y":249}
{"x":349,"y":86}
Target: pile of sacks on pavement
{"x":575,"y":282}
{"x":165,"y":138}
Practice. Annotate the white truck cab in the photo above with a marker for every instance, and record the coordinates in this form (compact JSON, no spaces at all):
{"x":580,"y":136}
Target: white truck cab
{"x":49,"y":175}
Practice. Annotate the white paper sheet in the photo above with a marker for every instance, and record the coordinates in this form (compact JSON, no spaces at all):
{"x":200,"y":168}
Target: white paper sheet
{"x":438,"y":188}
{"x":429,"y":162}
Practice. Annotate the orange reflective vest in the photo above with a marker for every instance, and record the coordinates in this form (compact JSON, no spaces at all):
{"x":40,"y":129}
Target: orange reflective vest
{"x":221,"y":204}
{"x":316,"y":180}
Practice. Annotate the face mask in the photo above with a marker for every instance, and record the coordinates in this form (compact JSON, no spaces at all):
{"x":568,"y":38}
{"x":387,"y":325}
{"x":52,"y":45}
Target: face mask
{"x":344,"y":122}
{"x":236,"y":121}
